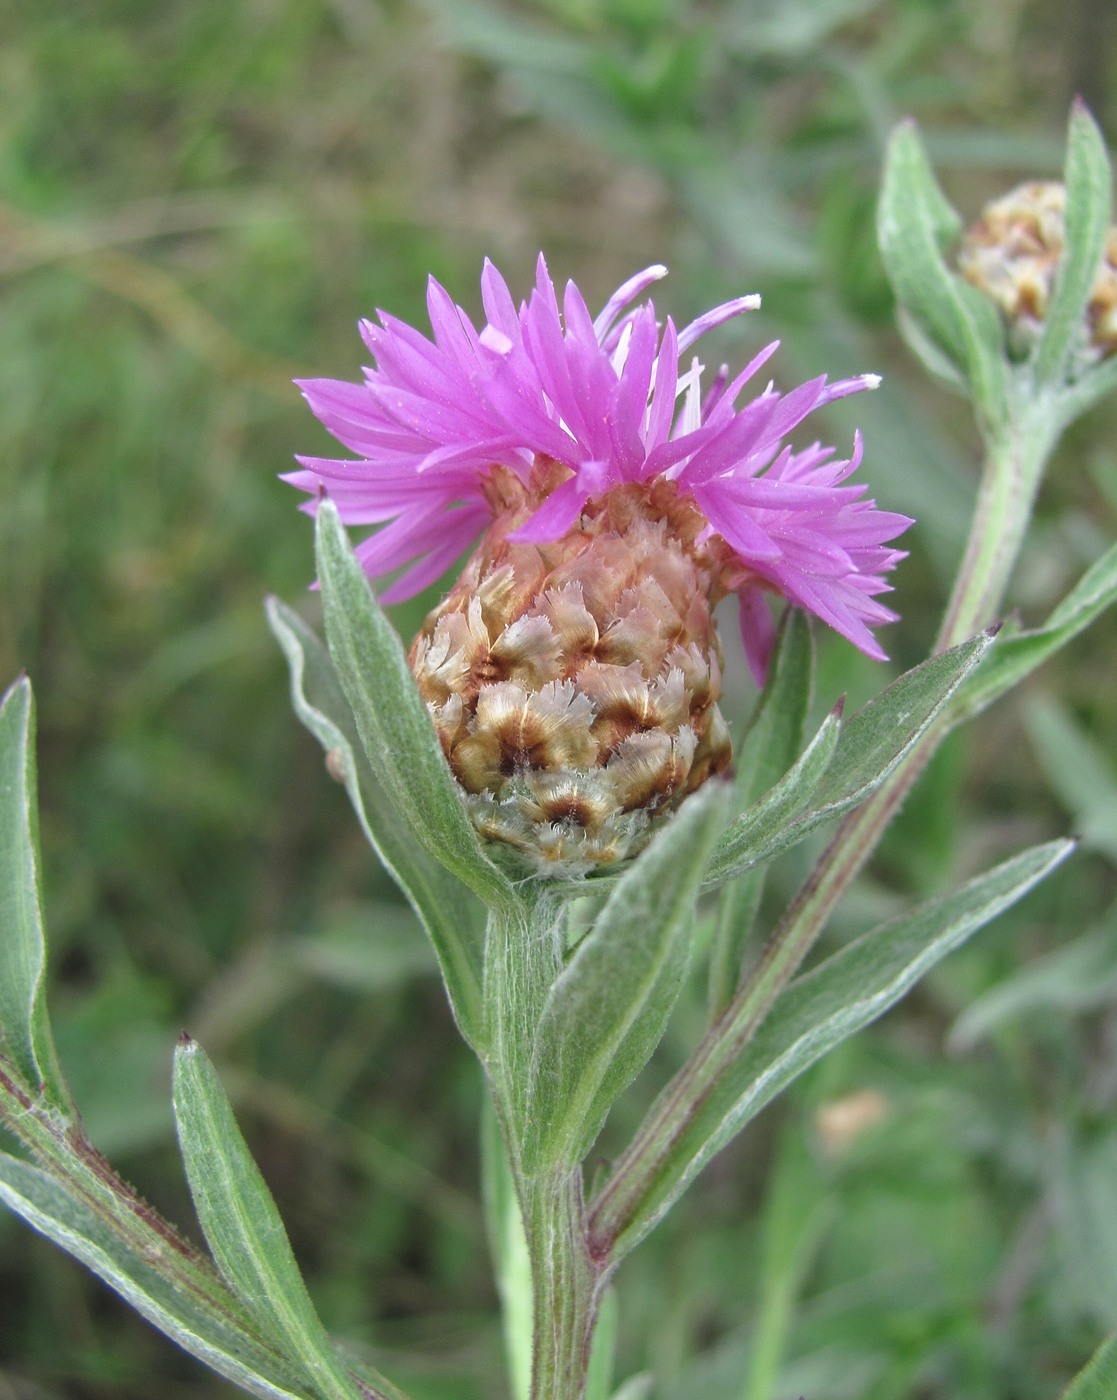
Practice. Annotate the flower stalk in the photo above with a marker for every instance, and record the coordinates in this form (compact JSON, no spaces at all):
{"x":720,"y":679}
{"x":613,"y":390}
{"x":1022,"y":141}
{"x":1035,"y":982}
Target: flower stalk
{"x":523,"y":959}
{"x":567,"y":1284}
{"x":1015,"y":460}
{"x":1021,"y":435}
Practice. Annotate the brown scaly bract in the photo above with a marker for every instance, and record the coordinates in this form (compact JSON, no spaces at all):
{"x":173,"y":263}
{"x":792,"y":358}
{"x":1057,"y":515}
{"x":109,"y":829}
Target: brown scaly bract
{"x":574,"y":683}
{"x":1012,"y":254}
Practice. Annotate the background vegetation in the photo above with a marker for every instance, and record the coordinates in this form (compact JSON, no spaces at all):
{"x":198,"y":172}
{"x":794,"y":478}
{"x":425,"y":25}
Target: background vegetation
{"x":197,"y":200}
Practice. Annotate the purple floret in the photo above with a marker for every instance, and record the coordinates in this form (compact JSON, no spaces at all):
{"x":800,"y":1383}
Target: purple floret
{"x":611,"y":400}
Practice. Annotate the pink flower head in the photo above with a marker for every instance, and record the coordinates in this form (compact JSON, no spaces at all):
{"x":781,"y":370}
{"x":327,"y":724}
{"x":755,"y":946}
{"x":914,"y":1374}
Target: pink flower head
{"x":610,"y":400}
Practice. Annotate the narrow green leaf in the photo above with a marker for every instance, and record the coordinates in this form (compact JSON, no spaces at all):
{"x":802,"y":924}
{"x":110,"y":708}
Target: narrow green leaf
{"x":775,"y":733}
{"x":770,"y":747}
{"x":1019,"y":653}
{"x":393,"y":723}
{"x":819,"y":1011}
{"x":770,"y":825}
{"x":450,"y":915}
{"x":243,"y":1227}
{"x":1098,"y":1380}
{"x":867,"y":749}
{"x":187,"y":1318}
{"x":914,"y":224}
{"x":1089,"y":196}
{"x":24,"y":1026}
{"x":608,"y":1008}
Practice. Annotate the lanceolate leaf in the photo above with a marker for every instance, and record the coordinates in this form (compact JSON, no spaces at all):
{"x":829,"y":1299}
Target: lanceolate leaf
{"x":814,"y":1014}
{"x":24,"y":1027}
{"x":393,"y":723}
{"x":1018,"y":653}
{"x":771,"y":745}
{"x":868,"y":748}
{"x":243,"y":1228}
{"x":914,"y":225}
{"x":1089,"y":191}
{"x":608,"y":1007}
{"x":449,"y":913}
{"x":771,"y":824}
{"x":134,"y":1272}
{"x":775,"y":733}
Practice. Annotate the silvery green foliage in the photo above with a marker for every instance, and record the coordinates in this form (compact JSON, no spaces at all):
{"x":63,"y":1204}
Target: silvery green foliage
{"x":815,"y":1013}
{"x":563,"y":1022}
{"x":1019,"y":651}
{"x":23,"y":951}
{"x":955,"y":329}
{"x":452,"y":918}
{"x":845,"y":763}
{"x":70,"y":1194}
{"x":572,"y":1030}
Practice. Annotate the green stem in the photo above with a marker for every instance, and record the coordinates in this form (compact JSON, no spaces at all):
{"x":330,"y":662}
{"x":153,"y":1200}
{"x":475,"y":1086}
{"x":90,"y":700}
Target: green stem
{"x":525,"y":948}
{"x":567,"y":1285}
{"x":1010,"y":478}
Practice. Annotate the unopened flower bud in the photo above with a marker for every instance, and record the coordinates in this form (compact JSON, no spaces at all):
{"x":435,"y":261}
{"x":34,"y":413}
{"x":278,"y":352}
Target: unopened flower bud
{"x":1012,"y":254}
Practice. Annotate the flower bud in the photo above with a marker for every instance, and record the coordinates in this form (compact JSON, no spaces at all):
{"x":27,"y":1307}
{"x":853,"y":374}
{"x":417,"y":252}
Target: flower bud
{"x":1012,"y":254}
{"x":574,"y":683}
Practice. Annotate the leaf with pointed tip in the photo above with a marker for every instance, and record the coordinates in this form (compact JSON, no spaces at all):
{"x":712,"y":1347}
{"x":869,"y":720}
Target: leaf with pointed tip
{"x":608,"y":1007}
{"x":861,"y":756}
{"x":816,"y":1012}
{"x":1089,"y":195}
{"x":1019,"y":653}
{"x":24,"y":1027}
{"x":450,"y":915}
{"x":770,"y":825}
{"x":67,"y":1219}
{"x":914,"y":224}
{"x":768,"y":751}
{"x":395,"y":728}
{"x":243,"y":1228}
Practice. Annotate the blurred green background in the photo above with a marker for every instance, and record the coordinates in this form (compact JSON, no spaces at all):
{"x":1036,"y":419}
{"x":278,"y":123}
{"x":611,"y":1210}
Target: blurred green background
{"x":198,"y":198}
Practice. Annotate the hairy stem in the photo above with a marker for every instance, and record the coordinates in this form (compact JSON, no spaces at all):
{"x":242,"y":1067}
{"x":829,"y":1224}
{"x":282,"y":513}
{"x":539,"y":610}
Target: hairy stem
{"x":525,"y":948}
{"x":567,"y":1285}
{"x":1010,"y":478}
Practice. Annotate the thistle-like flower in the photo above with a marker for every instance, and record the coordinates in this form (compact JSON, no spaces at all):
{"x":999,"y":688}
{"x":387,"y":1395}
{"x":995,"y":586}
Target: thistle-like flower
{"x":1012,"y":254}
{"x":573,"y":671}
